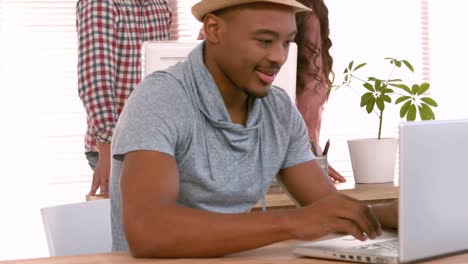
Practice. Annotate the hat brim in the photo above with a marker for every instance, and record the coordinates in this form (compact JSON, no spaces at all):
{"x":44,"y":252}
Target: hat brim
{"x":200,"y":9}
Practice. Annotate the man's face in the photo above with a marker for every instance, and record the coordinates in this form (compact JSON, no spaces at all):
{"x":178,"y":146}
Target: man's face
{"x":254,"y":46}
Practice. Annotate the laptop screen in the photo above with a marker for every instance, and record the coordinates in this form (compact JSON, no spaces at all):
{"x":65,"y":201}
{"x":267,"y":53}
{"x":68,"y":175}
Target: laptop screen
{"x":433,"y":218}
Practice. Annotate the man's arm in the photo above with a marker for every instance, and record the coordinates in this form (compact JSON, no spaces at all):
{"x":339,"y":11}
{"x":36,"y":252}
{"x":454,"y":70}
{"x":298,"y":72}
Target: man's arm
{"x":307,"y":184}
{"x":155,"y":226}
{"x":387,"y":213}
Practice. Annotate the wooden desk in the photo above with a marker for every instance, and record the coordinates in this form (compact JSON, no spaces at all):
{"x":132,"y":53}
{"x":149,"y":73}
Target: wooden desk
{"x":275,"y":253}
{"x":372,"y":192}
{"x":272,"y":254}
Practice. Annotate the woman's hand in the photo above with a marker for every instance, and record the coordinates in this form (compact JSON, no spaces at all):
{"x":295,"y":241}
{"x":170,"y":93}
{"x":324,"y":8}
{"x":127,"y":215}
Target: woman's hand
{"x":336,"y":176}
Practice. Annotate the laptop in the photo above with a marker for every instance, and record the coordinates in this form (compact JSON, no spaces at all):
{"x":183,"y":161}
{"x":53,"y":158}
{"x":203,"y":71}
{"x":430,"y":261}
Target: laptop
{"x":433,"y":215}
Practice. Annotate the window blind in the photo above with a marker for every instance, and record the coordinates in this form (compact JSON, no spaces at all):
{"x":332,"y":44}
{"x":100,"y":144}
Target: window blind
{"x":184,"y":26}
{"x":448,"y":57}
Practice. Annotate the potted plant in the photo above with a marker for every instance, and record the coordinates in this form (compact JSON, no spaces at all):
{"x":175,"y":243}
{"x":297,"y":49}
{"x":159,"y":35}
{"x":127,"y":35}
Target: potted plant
{"x":373,"y":160}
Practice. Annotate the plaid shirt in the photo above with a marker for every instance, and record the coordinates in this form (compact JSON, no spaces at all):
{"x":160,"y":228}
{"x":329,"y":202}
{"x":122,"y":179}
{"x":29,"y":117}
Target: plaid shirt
{"x":110,"y":35}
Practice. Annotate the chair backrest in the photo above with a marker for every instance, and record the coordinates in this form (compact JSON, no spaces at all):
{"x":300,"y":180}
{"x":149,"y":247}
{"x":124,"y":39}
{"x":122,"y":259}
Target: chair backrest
{"x":158,"y":55}
{"x":78,"y":228}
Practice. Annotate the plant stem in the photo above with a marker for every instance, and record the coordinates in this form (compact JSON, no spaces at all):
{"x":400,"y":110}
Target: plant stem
{"x":390,"y":75}
{"x":380,"y":124}
{"x":355,"y":77}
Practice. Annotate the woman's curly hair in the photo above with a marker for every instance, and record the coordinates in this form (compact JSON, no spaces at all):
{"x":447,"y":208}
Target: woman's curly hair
{"x":313,"y":50}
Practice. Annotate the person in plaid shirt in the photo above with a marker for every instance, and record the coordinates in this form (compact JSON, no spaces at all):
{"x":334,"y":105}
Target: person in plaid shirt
{"x":110,"y":35}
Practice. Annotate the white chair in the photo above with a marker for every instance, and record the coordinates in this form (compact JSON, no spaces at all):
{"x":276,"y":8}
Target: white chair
{"x":78,"y":228}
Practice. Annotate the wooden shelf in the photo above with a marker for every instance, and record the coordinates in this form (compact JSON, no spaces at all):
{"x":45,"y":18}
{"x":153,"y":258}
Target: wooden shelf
{"x":370,"y":192}
{"x":365,"y":192}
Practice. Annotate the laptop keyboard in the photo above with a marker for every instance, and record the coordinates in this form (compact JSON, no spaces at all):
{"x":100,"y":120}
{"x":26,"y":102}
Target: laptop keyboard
{"x":389,"y":245}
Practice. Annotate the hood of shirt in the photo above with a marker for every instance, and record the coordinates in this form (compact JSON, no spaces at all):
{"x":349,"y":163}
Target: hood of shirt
{"x":239,"y":138}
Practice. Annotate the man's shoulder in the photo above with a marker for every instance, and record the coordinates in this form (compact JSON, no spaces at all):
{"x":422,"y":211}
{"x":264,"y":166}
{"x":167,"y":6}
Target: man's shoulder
{"x":280,"y":108}
{"x":278,"y":99}
{"x":162,"y":85}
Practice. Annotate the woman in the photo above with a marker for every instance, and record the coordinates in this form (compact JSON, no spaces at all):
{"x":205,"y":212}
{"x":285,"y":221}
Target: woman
{"x":314,"y":69}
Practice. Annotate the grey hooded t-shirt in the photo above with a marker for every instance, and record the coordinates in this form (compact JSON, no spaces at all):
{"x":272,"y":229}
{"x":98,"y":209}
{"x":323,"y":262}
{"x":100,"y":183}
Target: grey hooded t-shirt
{"x":223,"y":167}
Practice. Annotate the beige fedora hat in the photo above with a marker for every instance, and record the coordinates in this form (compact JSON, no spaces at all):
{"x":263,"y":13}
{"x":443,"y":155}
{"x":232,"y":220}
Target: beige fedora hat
{"x":200,"y":9}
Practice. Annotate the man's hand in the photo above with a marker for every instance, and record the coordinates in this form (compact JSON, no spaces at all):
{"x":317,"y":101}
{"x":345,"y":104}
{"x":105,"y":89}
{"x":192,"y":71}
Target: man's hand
{"x":387,"y":213}
{"x":335,"y":175}
{"x":102,"y":170}
{"x":336,"y":213}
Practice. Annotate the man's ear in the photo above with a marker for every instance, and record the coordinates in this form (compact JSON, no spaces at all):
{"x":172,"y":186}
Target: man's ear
{"x":213,"y":28}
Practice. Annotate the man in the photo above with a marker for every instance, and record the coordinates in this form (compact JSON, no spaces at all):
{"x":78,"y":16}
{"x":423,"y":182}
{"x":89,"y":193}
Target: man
{"x":110,"y":34}
{"x":199,"y":144}
{"x":312,"y":84}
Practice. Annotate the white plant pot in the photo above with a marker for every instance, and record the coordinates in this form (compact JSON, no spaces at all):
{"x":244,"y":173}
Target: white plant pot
{"x":373,"y":160}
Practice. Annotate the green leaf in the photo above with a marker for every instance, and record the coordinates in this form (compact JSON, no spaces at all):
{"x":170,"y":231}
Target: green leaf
{"x":398,"y":63}
{"x":346,"y":77}
{"x":422,"y":113}
{"x":423,"y":88}
{"x":372,"y":79}
{"x":365,"y":98}
{"x":414,"y":89}
{"x":360,"y":66}
{"x":394,"y":80}
{"x":346,"y":70}
{"x":350,"y":65}
{"x":402,"y":86}
{"x":408,"y":65}
{"x":402,"y":99}
{"x":370,"y":105}
{"x":369,"y":87}
{"x":429,"y":110}
{"x":378,"y":84}
{"x":429,"y":101}
{"x":404,"y":109}
{"x":380,"y":103}
{"x":411,"y":113}
{"x":386,"y":98}
{"x":425,"y":112}
{"x":386,"y":90}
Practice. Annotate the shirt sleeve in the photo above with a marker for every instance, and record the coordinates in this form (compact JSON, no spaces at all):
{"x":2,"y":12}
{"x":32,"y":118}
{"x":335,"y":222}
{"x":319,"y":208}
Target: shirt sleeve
{"x":96,"y":28}
{"x":157,"y":117}
{"x":298,"y":146}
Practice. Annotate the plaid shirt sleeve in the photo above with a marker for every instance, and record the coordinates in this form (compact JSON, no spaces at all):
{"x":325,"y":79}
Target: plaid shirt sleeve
{"x":96,"y":28}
